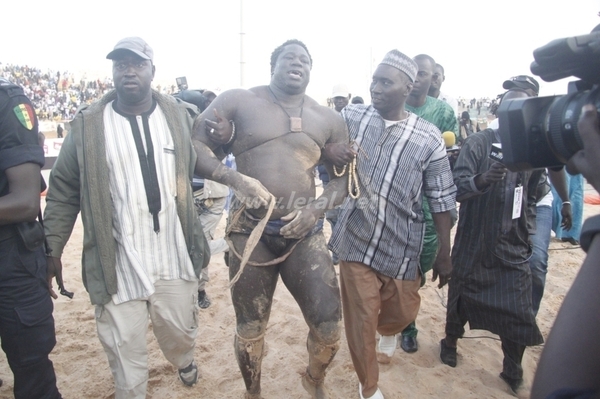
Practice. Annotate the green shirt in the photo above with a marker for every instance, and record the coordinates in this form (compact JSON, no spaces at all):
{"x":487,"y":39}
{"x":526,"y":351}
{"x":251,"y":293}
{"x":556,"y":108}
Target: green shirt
{"x":442,"y":116}
{"x":437,"y":112}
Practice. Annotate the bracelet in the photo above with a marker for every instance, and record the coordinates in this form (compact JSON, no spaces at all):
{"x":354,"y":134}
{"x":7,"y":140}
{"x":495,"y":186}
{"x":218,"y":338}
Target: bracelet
{"x":232,"y":133}
{"x":566,"y":202}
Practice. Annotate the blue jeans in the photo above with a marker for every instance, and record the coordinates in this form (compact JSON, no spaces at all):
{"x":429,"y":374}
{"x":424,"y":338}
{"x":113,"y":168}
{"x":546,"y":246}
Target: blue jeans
{"x":538,"y":263}
{"x":575,"y":185}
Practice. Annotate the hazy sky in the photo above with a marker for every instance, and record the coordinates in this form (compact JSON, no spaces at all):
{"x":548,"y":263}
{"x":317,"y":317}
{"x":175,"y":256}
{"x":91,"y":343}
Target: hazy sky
{"x":480,"y":43}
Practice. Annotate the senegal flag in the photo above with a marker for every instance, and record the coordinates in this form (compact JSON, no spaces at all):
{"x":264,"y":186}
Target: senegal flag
{"x":25,"y":114}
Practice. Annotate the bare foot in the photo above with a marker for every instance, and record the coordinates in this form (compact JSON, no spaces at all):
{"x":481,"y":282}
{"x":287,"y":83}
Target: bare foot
{"x":315,"y":388}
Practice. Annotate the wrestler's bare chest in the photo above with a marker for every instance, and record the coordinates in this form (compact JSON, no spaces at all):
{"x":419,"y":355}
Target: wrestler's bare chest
{"x":269,"y":150}
{"x":268,"y":125}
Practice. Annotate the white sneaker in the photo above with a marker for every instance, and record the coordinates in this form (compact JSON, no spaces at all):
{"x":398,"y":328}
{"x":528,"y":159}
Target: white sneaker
{"x":376,"y":395}
{"x":386,"y":348}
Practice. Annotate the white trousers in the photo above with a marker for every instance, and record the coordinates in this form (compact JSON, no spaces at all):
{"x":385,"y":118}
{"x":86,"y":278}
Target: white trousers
{"x":122,"y":328}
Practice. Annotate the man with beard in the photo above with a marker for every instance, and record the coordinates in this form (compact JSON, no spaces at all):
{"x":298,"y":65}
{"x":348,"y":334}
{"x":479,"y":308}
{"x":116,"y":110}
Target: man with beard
{"x":275,"y":222}
{"x":143,"y":244}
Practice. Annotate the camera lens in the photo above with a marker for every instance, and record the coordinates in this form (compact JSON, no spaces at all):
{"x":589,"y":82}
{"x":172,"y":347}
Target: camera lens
{"x":562,"y":133}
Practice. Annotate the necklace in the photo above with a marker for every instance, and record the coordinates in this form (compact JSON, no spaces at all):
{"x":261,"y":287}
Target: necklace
{"x":295,"y":122}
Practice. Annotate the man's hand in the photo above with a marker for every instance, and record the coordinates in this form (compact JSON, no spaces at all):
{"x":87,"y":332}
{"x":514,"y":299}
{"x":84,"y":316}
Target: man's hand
{"x":252,"y":193}
{"x":566,"y":216}
{"x":495,"y":173}
{"x":442,"y":268}
{"x":587,"y":161}
{"x":54,"y":269}
{"x":300,"y":223}
{"x":339,"y":154}
{"x":219,"y":130}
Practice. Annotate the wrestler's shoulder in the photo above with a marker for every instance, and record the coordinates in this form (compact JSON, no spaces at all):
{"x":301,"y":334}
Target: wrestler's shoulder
{"x":237,"y":94}
{"x":322,"y":110}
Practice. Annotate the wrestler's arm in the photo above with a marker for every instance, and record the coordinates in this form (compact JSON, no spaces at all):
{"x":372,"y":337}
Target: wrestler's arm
{"x":250,"y":191}
{"x":302,"y":220}
{"x":214,"y":125}
{"x":337,"y":188}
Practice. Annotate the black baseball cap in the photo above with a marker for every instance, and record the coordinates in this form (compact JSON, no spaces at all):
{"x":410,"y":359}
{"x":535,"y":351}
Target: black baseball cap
{"x":522,"y":82}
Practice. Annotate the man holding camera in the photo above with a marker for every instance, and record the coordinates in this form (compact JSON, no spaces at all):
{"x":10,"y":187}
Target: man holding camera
{"x":538,"y":263}
{"x":491,"y":284}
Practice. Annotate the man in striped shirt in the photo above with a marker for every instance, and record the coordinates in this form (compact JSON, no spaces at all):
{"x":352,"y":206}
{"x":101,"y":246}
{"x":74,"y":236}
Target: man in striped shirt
{"x":379,"y":235}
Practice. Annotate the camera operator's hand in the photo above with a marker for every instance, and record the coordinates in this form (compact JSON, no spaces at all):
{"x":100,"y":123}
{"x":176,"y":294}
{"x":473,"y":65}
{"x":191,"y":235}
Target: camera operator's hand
{"x":219,"y":130}
{"x":587,"y":161}
{"x":495,"y":173}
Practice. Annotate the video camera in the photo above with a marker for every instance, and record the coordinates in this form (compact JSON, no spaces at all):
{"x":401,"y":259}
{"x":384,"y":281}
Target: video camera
{"x":542,"y":132}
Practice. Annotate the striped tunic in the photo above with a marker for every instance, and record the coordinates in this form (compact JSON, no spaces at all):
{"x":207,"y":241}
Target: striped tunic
{"x":491,"y":281}
{"x":384,"y":227}
{"x":143,"y":256}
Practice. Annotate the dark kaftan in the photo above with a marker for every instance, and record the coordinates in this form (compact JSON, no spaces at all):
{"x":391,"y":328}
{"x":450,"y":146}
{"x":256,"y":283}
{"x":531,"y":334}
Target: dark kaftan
{"x":491,"y":282}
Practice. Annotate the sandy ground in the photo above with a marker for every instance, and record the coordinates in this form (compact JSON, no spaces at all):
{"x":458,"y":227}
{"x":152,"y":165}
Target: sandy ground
{"x":82,"y":369}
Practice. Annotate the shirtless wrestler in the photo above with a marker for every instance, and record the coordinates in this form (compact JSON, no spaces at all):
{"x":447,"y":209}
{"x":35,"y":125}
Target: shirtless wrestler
{"x":278,"y":136}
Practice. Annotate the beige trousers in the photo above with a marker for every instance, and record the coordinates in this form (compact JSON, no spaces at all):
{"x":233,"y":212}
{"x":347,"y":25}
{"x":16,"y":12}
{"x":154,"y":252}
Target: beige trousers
{"x":373,"y":303}
{"x":122,"y":329}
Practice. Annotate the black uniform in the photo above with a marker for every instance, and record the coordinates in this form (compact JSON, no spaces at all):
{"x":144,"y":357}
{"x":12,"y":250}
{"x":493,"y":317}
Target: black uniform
{"x":26,"y":322}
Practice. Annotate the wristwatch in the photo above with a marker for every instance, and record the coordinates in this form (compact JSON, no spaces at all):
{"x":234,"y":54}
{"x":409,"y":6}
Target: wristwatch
{"x":588,"y":231}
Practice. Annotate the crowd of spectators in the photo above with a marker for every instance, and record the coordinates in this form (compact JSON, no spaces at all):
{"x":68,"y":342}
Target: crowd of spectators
{"x":55,"y":95}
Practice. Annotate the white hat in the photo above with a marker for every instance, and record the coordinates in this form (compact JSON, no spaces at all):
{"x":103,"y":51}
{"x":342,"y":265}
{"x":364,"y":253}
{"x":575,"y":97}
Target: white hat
{"x":340,"y":90}
{"x":402,"y":62}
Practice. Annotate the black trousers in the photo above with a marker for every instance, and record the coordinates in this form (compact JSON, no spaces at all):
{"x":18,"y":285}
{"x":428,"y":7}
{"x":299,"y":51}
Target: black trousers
{"x":26,"y":322}
{"x":513,"y":355}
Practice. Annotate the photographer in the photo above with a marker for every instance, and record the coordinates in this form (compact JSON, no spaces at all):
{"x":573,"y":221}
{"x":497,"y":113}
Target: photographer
{"x":568,"y":367}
